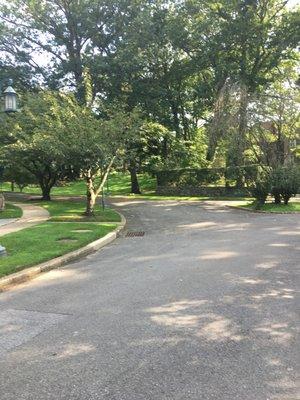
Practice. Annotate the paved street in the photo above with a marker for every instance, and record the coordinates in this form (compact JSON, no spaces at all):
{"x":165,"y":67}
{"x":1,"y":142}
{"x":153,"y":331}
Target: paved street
{"x":203,"y":306}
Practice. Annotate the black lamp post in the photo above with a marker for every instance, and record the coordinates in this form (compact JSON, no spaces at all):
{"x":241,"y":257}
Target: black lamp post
{"x":9,"y":106}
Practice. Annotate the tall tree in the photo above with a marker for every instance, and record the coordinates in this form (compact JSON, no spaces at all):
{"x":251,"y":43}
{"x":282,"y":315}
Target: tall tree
{"x":245,"y":41}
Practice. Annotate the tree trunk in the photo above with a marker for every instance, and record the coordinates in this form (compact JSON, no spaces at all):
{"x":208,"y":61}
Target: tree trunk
{"x":176,"y":122}
{"x":46,"y":193}
{"x":2,"y":202}
{"x":135,"y":187}
{"x":277,"y":198}
{"x":241,"y":137}
{"x":90,"y":204}
{"x":286,"y":199}
{"x":90,"y":196}
{"x":91,"y":192}
{"x":12,"y":186}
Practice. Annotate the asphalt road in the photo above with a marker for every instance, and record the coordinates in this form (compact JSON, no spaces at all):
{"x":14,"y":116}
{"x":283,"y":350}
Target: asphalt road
{"x":203,"y":306}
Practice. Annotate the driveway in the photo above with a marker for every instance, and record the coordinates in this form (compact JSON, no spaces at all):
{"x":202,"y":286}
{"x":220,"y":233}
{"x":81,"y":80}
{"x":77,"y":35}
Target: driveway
{"x":203,"y":306}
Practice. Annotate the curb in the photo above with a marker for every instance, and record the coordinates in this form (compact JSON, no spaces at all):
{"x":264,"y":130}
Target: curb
{"x":29,"y":273}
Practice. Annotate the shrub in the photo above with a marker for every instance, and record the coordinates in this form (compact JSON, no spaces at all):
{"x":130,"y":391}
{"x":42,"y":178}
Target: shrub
{"x":261,"y":189}
{"x":285,"y":182}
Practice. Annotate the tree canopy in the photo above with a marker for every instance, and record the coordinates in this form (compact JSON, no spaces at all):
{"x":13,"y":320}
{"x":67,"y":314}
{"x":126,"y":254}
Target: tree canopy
{"x":202,"y":71}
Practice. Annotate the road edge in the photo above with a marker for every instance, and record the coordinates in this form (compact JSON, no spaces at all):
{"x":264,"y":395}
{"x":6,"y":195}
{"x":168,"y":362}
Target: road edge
{"x":9,"y":281}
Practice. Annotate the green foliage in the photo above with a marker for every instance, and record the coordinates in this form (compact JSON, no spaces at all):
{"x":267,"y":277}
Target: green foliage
{"x":285,"y":183}
{"x":16,"y":174}
{"x":261,"y":189}
{"x":11,"y":211}
{"x":281,"y":182}
{"x":203,"y":74}
{"x":35,"y":139}
{"x":206,"y":176}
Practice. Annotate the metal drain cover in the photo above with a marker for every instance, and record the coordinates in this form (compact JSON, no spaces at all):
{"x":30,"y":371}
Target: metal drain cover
{"x":135,"y":234}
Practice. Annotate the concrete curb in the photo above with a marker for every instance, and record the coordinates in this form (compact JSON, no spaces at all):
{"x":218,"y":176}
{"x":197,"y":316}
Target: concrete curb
{"x":19,"y":277}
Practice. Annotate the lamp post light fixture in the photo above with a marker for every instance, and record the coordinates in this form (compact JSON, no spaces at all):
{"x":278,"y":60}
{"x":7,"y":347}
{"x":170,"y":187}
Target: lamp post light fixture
{"x":10,"y":98}
{"x":9,"y":106}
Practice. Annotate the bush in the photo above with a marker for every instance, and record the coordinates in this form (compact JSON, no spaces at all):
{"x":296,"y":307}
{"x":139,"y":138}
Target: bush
{"x":285,"y":182}
{"x":261,"y":189}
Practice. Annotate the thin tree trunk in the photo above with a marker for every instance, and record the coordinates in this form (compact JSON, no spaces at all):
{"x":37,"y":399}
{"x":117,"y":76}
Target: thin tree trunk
{"x":2,"y":202}
{"x":93,"y":193}
{"x":176,"y":122}
{"x":90,"y":196}
{"x":241,"y":137}
{"x":12,"y":186}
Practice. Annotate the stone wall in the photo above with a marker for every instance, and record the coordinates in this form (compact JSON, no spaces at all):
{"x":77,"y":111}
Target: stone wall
{"x":210,"y":191}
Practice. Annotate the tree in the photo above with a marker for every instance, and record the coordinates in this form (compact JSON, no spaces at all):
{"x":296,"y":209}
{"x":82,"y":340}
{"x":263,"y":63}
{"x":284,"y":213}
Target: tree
{"x":182,"y":63}
{"x":34,"y":139}
{"x":19,"y":176}
{"x":274,"y":125}
{"x":145,"y":149}
{"x":245,"y":42}
{"x":97,"y":144}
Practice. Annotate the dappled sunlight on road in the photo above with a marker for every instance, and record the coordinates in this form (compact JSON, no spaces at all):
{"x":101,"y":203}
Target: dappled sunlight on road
{"x":73,"y":350}
{"x":217,"y":255}
{"x":198,"y":225}
{"x":54,"y":277}
{"x":200,"y":323}
{"x":277,"y":331}
{"x":267,"y":264}
{"x":279,"y":293}
{"x":288,"y":233}
{"x":279,"y":245}
{"x":244,"y":279}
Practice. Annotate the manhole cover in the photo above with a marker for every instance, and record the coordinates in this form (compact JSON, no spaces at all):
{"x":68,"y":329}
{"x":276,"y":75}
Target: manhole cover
{"x":135,"y":234}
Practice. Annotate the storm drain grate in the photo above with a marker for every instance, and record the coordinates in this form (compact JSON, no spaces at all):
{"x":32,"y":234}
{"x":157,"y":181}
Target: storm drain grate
{"x":135,"y":234}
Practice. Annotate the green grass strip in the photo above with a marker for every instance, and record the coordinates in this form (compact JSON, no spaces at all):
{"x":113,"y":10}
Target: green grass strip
{"x":71,"y":211}
{"x":43,"y":242}
{"x":293,"y":206}
{"x":11,"y":211}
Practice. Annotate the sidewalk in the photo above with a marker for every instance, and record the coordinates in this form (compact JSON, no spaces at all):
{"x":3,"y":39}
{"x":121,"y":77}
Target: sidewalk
{"x":32,"y":215}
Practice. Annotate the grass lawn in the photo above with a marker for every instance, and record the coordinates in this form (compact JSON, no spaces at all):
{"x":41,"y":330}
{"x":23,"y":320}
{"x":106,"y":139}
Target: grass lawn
{"x":11,"y":211}
{"x":118,"y":184}
{"x":43,"y":242}
{"x":293,"y":206}
{"x":70,"y":211}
